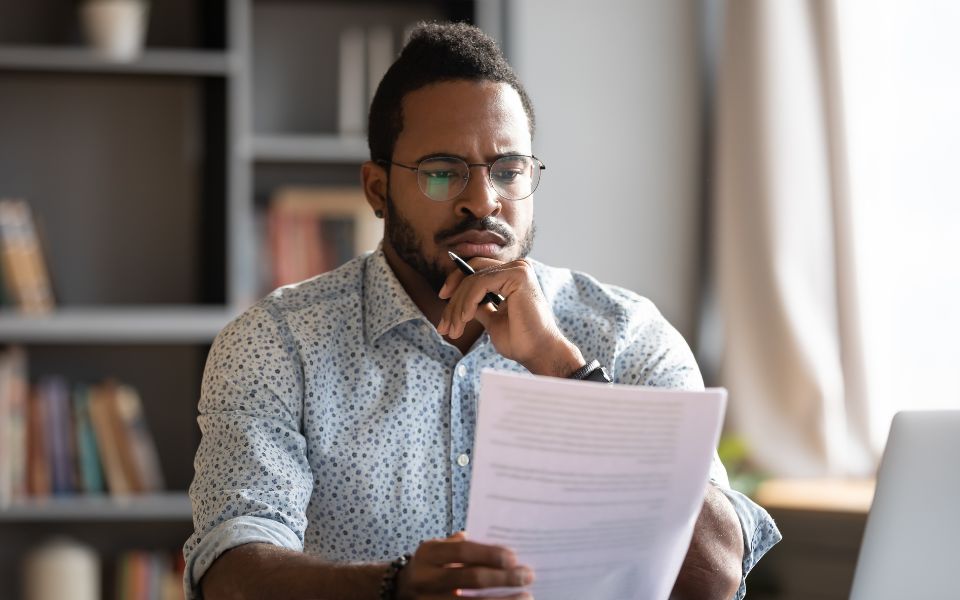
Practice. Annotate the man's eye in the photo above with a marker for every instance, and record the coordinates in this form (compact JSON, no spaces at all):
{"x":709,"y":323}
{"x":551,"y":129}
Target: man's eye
{"x":507,"y":176}
{"x":441,"y":174}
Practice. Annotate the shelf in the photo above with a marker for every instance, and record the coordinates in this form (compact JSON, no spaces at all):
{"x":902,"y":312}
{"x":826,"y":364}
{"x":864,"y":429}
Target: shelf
{"x":166,"y":506}
{"x":182,"y":324}
{"x":79,"y":59}
{"x":309,"y":148}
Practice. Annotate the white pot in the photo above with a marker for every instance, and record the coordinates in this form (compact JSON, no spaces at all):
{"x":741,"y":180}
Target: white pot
{"x":115,"y":28}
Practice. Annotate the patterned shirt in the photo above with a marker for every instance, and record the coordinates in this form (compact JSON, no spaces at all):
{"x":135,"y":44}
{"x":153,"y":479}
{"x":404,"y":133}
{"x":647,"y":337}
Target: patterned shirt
{"x":337,"y":421}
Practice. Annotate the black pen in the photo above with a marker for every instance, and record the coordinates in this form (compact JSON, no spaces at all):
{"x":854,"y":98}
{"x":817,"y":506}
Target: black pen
{"x":496,"y":299}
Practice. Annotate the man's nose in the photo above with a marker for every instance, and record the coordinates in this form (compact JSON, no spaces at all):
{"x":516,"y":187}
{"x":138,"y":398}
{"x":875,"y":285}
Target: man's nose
{"x":478,"y":198}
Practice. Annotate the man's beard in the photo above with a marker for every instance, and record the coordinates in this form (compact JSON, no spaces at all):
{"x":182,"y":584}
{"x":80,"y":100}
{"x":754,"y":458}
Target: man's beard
{"x":409,"y":247}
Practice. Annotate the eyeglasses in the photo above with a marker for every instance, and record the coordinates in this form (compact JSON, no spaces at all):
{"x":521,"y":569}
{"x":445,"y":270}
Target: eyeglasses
{"x":441,"y":178}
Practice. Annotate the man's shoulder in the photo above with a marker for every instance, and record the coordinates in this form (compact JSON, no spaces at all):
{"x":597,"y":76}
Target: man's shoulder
{"x":327,"y":293}
{"x":571,"y":291}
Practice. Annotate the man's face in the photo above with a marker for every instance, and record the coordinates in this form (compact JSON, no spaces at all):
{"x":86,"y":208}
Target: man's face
{"x":478,"y":122}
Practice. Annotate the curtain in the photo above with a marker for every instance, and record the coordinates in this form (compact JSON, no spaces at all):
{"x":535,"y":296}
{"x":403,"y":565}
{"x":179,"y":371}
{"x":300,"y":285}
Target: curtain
{"x":784,"y":247}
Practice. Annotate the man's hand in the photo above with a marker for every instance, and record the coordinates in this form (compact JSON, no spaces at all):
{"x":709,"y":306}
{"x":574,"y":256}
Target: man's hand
{"x":522,"y":328}
{"x":441,"y":567}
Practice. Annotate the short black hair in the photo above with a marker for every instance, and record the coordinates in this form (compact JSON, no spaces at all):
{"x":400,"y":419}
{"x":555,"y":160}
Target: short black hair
{"x":435,"y":52}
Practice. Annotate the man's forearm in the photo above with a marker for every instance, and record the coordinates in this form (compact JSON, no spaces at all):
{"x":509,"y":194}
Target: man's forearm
{"x":265,"y":571}
{"x":713,"y":567}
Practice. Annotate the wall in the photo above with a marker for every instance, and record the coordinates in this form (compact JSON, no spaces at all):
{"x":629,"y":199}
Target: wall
{"x":616,"y":87}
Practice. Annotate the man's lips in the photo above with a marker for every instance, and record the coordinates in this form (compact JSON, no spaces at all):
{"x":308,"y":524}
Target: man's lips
{"x":467,"y":250}
{"x":476,"y":237}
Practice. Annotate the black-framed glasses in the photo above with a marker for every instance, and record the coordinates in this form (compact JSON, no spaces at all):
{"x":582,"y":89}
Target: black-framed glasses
{"x":441,"y":178}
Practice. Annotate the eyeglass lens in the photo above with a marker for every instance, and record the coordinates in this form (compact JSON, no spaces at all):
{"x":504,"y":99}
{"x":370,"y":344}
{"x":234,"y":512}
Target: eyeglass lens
{"x":513,"y":177}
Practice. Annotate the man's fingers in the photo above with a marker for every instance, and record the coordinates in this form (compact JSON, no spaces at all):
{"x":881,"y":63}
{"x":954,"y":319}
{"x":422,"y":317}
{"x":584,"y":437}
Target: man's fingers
{"x":468,"y":297}
{"x":444,"y":552}
{"x":450,"y":284}
{"x":473,"y":578}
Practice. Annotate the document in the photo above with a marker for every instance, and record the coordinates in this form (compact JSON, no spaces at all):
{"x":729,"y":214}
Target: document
{"x":595,"y":486}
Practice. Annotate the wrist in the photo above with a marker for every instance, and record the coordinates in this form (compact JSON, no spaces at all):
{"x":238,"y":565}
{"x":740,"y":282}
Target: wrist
{"x":563,"y":358}
{"x":393,"y":580}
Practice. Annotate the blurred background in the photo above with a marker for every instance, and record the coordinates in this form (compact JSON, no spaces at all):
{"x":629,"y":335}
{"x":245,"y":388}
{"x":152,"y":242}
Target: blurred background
{"x":778,"y":177}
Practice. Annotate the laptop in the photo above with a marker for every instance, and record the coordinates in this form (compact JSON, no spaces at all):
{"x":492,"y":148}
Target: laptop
{"x":911,"y":545}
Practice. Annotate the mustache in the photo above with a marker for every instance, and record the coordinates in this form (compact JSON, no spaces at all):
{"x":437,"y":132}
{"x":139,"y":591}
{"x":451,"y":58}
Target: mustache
{"x":474,"y":224}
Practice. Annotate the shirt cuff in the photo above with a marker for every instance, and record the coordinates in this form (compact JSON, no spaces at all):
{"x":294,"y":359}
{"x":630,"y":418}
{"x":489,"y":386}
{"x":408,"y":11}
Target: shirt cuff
{"x":760,"y":533}
{"x":230,"y":534}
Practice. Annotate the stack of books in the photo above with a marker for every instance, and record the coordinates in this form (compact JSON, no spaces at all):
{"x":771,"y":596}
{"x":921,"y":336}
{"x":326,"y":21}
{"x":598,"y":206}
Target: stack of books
{"x":313,"y":230}
{"x":149,"y":575}
{"x":24,"y":277}
{"x":61,"y":439}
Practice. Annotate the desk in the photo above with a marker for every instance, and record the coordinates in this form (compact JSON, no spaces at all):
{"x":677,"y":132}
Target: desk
{"x":822,"y":521}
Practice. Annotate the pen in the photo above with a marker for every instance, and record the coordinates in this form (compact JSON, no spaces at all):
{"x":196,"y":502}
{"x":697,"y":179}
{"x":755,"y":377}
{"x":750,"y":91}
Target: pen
{"x":496,"y":299}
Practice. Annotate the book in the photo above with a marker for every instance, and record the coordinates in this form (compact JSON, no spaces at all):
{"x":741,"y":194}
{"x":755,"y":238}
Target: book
{"x":315,"y":229}
{"x":39,"y":479}
{"x":13,"y":425}
{"x":11,"y":256}
{"x":352,"y":106}
{"x":109,"y":444}
{"x":380,"y":55}
{"x":88,"y":456}
{"x":26,"y":278}
{"x":55,"y":394}
{"x":143,"y":450}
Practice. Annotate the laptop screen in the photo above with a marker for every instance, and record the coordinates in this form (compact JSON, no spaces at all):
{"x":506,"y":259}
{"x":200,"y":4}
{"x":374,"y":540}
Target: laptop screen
{"x":911,"y":545}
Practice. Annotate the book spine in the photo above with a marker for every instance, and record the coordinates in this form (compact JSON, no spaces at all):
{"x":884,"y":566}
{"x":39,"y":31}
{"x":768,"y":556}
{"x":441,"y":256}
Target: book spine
{"x":91,"y":472}
{"x":6,"y":466}
{"x":143,"y":450}
{"x":380,"y":55}
{"x":106,"y":442}
{"x":121,"y":434}
{"x":15,"y":278}
{"x":38,"y":468}
{"x":59,"y":429}
{"x":352,"y":99}
{"x":18,"y":390}
{"x":23,"y":258}
{"x":40,"y":291}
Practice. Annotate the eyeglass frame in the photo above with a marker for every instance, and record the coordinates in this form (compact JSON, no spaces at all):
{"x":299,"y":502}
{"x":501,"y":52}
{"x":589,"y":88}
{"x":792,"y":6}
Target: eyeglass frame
{"x":538,"y":163}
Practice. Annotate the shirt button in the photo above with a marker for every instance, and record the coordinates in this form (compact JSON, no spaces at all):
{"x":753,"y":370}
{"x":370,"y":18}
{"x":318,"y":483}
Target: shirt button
{"x":462,"y":371}
{"x":463,"y":460}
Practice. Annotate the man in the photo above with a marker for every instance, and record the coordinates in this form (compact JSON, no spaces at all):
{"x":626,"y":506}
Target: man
{"x":338,"y":413}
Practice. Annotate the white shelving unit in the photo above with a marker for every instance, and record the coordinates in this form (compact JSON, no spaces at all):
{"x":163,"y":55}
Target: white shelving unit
{"x":152,"y":62}
{"x":309,"y":149}
{"x":147,"y":178}
{"x":103,"y":325}
{"x":170,"y":506}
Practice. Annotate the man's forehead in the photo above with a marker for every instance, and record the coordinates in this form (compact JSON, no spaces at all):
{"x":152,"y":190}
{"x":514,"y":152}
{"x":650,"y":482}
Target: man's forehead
{"x":448,"y":115}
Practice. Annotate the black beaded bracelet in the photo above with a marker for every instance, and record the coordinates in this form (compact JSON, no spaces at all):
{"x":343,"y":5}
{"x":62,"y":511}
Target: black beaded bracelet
{"x":388,"y":585}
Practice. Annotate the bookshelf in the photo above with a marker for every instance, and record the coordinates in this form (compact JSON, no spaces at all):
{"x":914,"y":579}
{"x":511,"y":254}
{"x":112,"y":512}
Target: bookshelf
{"x":152,"y":62}
{"x":170,"y":506}
{"x":309,"y":149}
{"x":149,"y":179}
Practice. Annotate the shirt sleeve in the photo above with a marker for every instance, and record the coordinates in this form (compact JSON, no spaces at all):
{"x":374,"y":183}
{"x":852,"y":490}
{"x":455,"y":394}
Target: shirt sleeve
{"x":655,"y":354}
{"x":252,"y":480}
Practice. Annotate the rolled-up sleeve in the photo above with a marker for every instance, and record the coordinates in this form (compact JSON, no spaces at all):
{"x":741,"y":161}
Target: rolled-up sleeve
{"x":252,"y":480}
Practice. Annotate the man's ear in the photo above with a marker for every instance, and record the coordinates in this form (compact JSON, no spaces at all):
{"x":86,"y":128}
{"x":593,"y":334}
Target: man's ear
{"x":375,"y":186}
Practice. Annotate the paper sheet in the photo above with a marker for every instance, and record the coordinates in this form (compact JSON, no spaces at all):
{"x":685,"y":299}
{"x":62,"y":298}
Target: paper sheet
{"x":595,"y":486}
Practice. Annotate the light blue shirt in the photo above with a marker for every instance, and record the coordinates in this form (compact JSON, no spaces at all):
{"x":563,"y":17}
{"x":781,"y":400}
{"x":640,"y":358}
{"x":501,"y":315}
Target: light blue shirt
{"x":337,"y":421}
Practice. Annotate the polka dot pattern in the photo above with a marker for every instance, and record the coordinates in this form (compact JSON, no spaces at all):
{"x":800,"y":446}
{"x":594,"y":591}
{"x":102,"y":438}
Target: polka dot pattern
{"x":332,"y":410}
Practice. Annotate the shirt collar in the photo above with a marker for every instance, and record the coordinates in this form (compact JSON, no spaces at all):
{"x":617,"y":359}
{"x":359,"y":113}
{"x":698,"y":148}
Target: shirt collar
{"x":385,"y":303}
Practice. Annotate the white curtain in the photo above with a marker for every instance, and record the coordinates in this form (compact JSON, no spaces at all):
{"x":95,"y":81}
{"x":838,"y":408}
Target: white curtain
{"x":836,"y":223}
{"x":793,"y":355}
